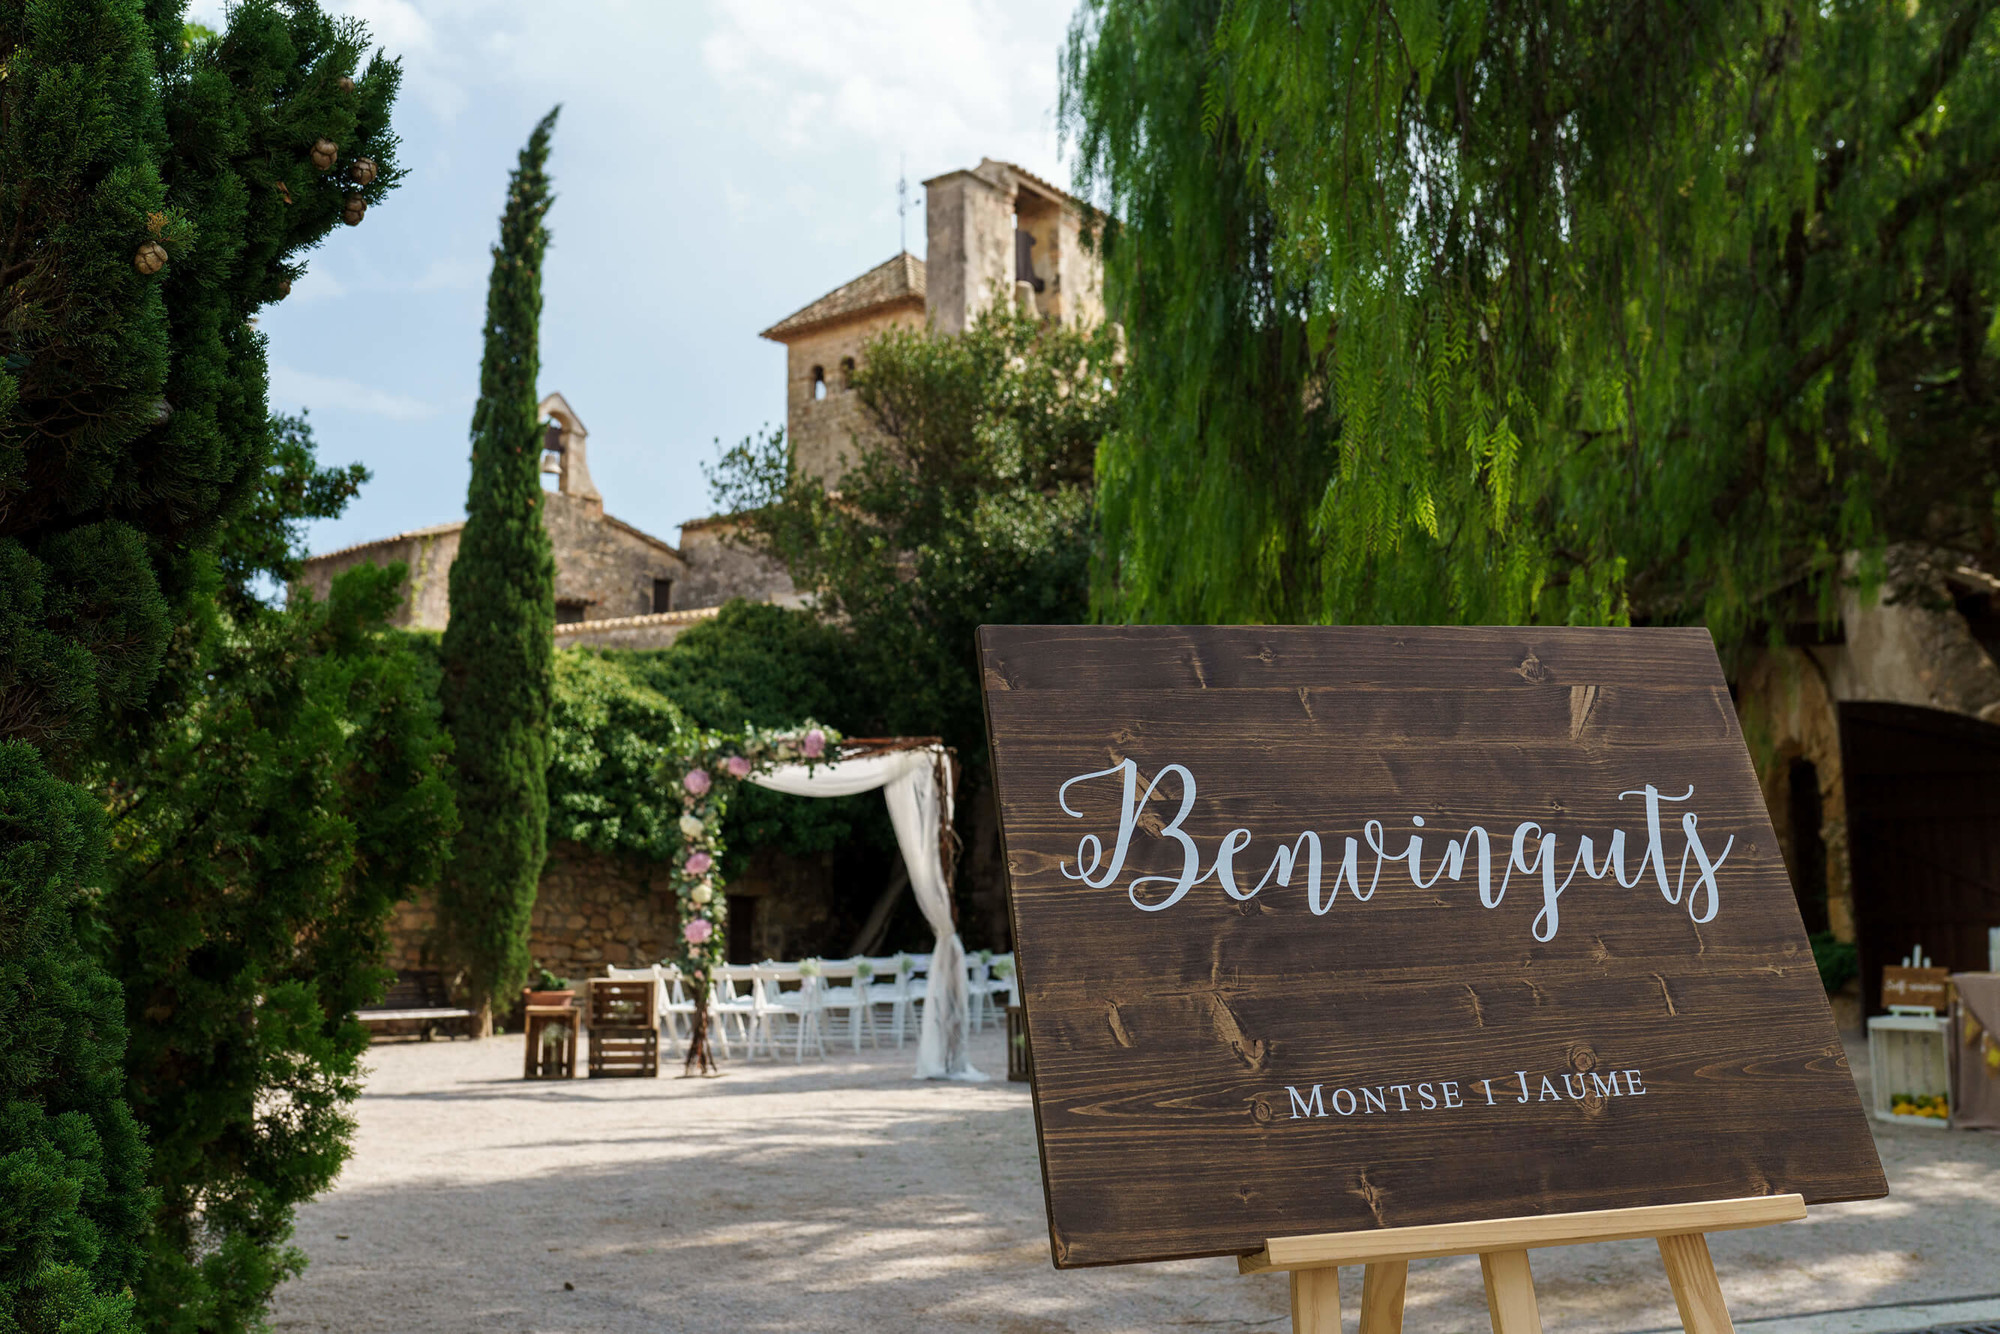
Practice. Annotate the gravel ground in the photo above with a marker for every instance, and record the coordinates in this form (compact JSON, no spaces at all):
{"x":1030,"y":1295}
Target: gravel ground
{"x":845,"y":1196}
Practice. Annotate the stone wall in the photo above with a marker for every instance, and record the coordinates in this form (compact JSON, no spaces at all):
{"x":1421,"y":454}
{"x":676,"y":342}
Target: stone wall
{"x":822,"y":430}
{"x":592,"y":910}
{"x":1904,"y":644}
{"x":635,"y":632}
{"x":428,"y":552}
{"x":721,"y":567}
{"x":969,"y":257}
{"x":604,"y":566}
{"x":603,"y":563}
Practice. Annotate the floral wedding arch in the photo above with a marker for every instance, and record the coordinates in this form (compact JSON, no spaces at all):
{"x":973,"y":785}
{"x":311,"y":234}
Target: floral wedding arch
{"x":914,"y":775}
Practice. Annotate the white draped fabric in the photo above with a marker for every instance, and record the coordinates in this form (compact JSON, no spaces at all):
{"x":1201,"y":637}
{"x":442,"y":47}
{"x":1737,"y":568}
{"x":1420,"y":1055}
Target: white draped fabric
{"x":917,"y":786}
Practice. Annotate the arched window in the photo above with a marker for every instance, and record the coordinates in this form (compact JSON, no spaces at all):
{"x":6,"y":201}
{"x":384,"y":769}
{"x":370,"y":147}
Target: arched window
{"x":846,"y":374}
{"x":819,"y":382}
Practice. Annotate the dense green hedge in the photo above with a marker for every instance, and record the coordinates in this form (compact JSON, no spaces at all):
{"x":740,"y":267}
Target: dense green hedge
{"x":617,"y":712}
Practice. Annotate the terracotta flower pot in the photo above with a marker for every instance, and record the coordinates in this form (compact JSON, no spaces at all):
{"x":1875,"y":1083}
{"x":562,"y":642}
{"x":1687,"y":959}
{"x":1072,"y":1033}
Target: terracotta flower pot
{"x":547,"y":998}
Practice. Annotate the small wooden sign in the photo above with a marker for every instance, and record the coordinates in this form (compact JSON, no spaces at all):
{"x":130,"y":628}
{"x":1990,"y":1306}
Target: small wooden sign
{"x":1915,"y":986}
{"x":1328,"y":929}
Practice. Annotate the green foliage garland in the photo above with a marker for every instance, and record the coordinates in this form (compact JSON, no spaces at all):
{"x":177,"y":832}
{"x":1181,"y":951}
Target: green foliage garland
{"x":1500,"y":312}
{"x":499,"y":645}
{"x":707,"y":772}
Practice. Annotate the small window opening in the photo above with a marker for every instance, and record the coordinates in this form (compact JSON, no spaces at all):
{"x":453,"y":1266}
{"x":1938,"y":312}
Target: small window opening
{"x":819,"y":382}
{"x":846,"y":373}
{"x":569,"y":611}
{"x":1808,"y":846}
{"x":1024,"y":259}
{"x":663,"y":595}
{"x":552,"y":452}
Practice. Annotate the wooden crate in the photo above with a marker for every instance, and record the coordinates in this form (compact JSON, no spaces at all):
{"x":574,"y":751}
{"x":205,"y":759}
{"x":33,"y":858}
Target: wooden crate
{"x":1907,"y":1054}
{"x":633,"y":1052}
{"x":551,"y":1034}
{"x":624,"y":1028}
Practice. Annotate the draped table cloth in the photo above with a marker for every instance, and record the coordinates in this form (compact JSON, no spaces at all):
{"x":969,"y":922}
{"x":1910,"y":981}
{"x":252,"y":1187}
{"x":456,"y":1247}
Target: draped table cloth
{"x":916,"y":784}
{"x":1975,"y":1091}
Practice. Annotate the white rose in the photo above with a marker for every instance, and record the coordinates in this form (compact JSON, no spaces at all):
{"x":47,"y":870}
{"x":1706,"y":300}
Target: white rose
{"x":690,"y":827}
{"x":701,"y":894}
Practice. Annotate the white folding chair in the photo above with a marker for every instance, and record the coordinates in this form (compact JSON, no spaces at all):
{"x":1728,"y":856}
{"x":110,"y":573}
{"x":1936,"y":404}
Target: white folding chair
{"x":889,"y":989}
{"x":843,"y":990}
{"x":791,"y":997}
{"x":737,"y":999}
{"x":678,"y":1007}
{"x":976,"y":979}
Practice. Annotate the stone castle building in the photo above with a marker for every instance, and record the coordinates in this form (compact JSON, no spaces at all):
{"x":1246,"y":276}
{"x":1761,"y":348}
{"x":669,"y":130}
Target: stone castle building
{"x":617,"y":586}
{"x":995,"y":233}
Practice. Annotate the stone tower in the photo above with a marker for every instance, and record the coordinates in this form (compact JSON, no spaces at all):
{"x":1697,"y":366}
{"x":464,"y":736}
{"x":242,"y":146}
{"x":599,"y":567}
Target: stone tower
{"x":994,"y":233}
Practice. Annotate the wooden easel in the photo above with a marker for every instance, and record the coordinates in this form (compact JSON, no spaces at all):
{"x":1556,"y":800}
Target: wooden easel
{"x":1502,"y":1247}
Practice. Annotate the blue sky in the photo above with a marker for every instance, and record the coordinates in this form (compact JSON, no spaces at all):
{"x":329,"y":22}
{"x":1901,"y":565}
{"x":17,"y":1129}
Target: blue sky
{"x":718,"y":165}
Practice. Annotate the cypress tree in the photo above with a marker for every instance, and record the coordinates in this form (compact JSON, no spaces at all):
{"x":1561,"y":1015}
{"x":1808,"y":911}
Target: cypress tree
{"x":499,"y":646}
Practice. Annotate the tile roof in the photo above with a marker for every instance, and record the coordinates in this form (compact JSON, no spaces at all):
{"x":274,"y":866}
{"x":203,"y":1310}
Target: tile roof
{"x":435,"y":530}
{"x":894,"y":282}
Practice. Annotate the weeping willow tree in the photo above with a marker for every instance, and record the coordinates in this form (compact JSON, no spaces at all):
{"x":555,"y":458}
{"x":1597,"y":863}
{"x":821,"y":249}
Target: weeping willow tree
{"x":1504,"y":312}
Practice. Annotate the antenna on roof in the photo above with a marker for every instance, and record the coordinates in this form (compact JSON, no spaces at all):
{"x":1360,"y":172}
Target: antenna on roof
{"x":902,"y":202}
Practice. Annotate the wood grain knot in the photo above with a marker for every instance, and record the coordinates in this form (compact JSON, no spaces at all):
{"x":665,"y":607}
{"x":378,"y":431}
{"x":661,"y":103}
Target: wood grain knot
{"x":1582,"y":1057}
{"x":1531,"y":669}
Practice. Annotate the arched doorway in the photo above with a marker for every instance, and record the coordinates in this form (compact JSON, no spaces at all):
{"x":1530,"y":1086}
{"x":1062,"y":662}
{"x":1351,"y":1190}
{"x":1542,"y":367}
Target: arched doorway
{"x":1923,"y":819}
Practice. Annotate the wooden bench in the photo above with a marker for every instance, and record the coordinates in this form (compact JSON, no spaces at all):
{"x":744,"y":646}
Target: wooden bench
{"x":417,"y":997}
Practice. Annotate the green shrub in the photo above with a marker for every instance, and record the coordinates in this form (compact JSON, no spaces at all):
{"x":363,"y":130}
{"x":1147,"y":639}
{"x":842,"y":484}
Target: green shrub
{"x":259,"y":846}
{"x":73,"y":1196}
{"x":1838,"y":960}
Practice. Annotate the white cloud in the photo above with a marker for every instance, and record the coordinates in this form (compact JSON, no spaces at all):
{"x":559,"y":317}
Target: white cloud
{"x":335,"y":394}
{"x":456,"y":272}
{"x":883,"y":77}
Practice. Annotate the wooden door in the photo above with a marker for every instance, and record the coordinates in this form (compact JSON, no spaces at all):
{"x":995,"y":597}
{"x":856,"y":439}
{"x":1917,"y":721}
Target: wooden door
{"x":1923,"y":828}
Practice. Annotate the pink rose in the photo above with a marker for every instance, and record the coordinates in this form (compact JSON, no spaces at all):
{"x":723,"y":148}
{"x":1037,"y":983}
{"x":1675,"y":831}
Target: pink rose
{"x":814,"y":744}
{"x":696,"y":782}
{"x":698,"y":864}
{"x":698,"y":931}
{"x":738,"y":766}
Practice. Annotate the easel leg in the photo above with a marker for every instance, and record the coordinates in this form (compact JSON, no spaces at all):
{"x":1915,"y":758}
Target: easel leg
{"x":1316,"y":1301}
{"x":1382,"y":1287}
{"x":1696,"y":1291}
{"x":1510,"y":1292}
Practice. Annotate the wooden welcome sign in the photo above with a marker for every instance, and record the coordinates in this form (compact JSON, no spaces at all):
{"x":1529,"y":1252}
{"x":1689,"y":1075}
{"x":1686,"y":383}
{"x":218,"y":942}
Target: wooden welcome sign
{"x":1330,"y":930}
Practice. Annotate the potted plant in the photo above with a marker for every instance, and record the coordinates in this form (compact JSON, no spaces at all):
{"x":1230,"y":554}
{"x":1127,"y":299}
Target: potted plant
{"x":546,"y":989}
